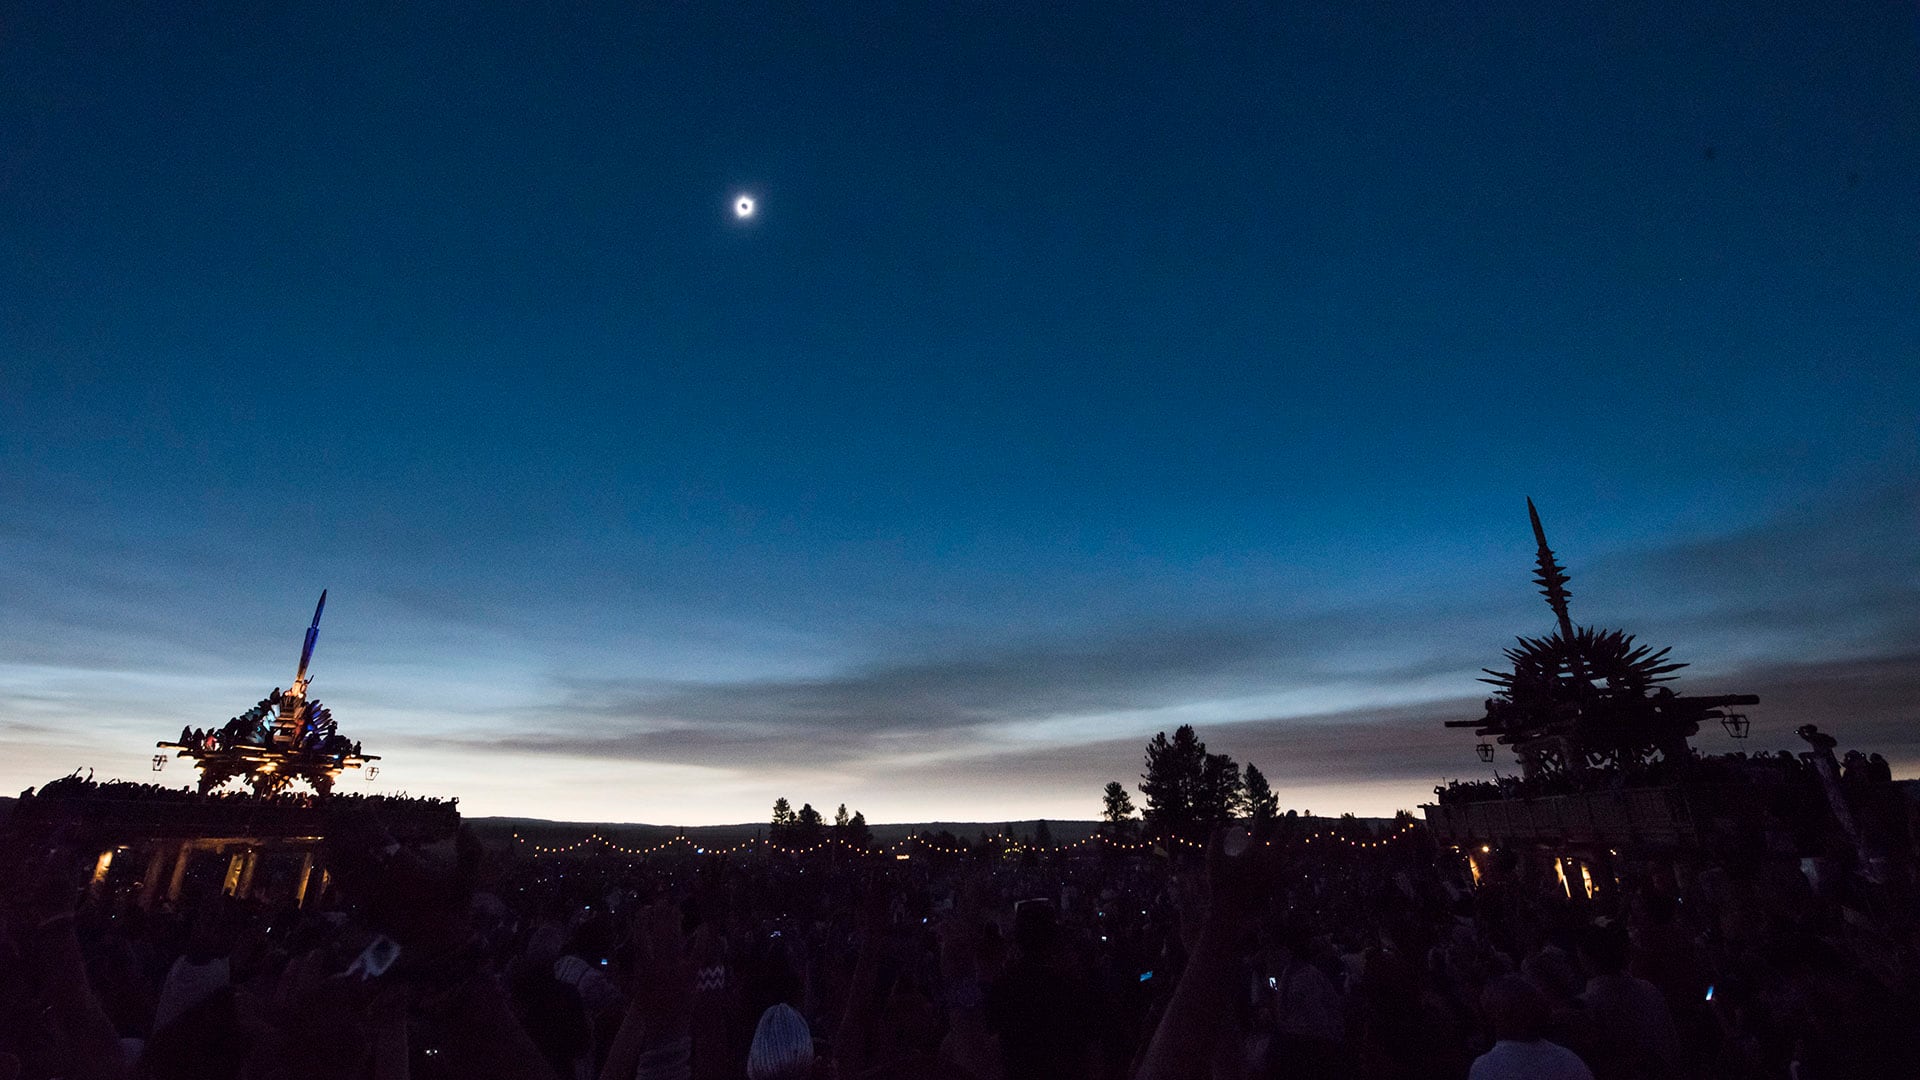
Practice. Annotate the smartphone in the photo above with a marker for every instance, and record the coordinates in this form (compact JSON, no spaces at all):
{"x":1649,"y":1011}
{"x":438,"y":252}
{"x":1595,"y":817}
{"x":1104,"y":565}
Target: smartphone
{"x":1709,"y":993}
{"x":1145,"y":975}
{"x":1273,"y":983}
{"x":376,"y":958}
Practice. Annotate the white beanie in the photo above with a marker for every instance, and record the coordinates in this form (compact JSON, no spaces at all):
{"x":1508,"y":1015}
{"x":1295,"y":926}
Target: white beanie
{"x":782,"y":1046}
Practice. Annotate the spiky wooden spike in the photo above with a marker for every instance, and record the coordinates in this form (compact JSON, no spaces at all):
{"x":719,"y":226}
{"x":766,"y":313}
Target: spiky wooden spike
{"x":1551,"y":576}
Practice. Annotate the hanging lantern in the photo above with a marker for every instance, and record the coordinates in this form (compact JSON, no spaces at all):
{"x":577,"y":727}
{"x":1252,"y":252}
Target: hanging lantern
{"x":373,"y":771}
{"x":1485,"y":750}
{"x":159,"y":762}
{"x":1737,"y":725}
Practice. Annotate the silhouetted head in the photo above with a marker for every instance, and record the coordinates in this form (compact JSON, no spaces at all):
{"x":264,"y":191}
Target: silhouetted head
{"x":1034,"y":926}
{"x":544,"y":945}
{"x":1291,"y":937}
{"x":208,"y":939}
{"x":1552,"y":973}
{"x":1515,"y":1009}
{"x":1658,"y":907}
{"x":1604,"y":947}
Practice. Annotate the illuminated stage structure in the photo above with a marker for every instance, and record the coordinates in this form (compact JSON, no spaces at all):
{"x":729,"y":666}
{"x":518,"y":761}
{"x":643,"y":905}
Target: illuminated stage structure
{"x":287,"y":736}
{"x":159,"y":845}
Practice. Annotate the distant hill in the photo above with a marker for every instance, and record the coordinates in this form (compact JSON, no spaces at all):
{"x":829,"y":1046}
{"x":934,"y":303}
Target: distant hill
{"x":640,"y":835}
{"x":636,"y":834}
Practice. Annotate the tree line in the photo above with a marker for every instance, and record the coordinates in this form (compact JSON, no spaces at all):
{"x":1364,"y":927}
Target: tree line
{"x":805,"y":827}
{"x":1188,"y":791}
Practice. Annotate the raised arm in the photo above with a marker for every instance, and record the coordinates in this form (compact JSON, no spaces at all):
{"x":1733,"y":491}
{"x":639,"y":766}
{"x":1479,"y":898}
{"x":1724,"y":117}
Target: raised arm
{"x":655,"y":1041}
{"x":1184,"y":1042}
{"x":44,"y":886}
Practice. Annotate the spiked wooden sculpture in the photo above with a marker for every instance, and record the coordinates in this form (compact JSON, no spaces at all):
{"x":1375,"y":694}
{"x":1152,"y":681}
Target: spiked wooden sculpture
{"x":1584,"y":697}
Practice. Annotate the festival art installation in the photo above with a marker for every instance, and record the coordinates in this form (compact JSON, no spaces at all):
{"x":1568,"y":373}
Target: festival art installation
{"x":285,"y":737}
{"x":1584,"y":697}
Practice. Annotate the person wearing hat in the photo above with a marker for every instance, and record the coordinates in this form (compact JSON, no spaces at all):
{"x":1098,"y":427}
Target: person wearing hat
{"x":782,"y":1046}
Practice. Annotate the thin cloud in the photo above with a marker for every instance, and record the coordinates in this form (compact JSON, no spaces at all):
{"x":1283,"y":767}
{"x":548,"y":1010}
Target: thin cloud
{"x":958,"y":702}
{"x":1837,"y":577}
{"x":1789,"y":609}
{"x":938,"y":699}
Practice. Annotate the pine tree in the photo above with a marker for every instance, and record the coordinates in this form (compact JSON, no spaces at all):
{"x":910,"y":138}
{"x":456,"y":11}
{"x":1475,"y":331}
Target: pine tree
{"x":1221,"y":796}
{"x":1262,"y":804}
{"x":857,"y":832}
{"x":1188,"y":790}
{"x":840,"y":818}
{"x":782,"y":820}
{"x":806,"y":825}
{"x":1171,"y":779}
{"x":1118,"y":811}
{"x":1042,"y":835}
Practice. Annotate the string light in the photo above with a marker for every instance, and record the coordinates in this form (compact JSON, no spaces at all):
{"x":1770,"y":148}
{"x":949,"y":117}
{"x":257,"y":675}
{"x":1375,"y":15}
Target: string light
{"x":1008,"y":844}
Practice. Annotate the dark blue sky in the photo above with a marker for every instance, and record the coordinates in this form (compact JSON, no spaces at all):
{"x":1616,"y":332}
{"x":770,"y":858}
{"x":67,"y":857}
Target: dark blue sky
{"x":1086,"y":369}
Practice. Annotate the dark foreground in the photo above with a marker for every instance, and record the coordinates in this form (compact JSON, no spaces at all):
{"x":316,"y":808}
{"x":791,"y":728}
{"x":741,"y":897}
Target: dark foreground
{"x":1289,"y":959}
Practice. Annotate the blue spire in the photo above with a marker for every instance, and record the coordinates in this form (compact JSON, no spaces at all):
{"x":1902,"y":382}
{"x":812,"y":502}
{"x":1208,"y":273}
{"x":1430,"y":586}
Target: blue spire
{"x":313,"y":635}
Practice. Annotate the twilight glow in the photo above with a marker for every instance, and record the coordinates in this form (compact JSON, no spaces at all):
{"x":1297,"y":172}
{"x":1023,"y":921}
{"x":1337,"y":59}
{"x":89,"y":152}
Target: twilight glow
{"x":1095,"y":375}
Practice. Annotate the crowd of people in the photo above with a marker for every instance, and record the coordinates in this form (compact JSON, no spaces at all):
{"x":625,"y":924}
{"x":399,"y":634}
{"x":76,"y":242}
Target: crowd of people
{"x":85,"y":788}
{"x":318,"y":731}
{"x":1249,"y":961}
{"x":1762,"y":767}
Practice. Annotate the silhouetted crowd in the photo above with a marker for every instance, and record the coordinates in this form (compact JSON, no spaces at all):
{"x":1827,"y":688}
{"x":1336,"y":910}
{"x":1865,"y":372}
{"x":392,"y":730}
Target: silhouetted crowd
{"x":1736,"y":768}
{"x":1255,"y":960}
{"x":319,"y":732}
{"x":79,"y":787}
